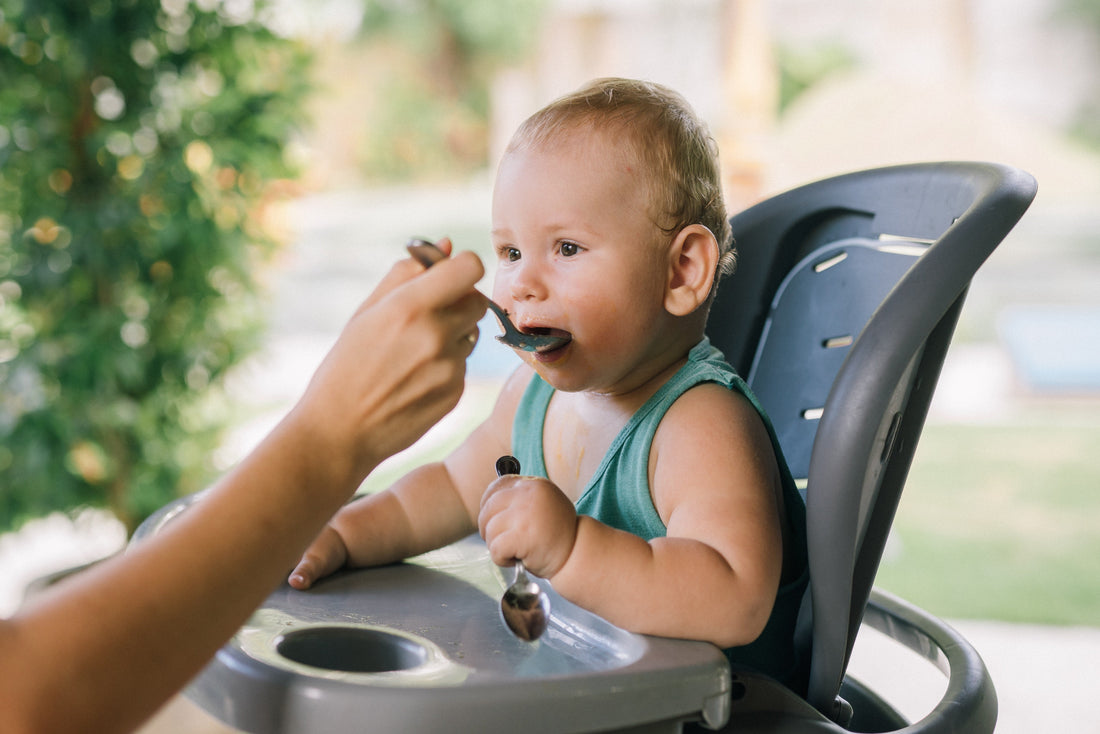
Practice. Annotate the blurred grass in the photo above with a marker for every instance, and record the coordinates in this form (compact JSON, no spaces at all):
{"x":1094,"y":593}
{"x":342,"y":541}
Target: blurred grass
{"x":1000,"y":522}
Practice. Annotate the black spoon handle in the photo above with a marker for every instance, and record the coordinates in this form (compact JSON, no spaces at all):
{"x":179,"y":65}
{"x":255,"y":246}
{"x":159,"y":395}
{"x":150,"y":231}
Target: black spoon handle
{"x":507,"y":465}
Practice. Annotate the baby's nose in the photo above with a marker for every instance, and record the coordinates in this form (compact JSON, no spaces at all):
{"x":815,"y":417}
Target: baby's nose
{"x":528,"y":281}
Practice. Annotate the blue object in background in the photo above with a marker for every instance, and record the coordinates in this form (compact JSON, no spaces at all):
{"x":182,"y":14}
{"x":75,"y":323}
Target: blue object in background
{"x":1054,"y":348}
{"x":491,"y":360}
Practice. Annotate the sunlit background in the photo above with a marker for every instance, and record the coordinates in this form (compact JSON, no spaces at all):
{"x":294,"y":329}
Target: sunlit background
{"x":259,"y":165}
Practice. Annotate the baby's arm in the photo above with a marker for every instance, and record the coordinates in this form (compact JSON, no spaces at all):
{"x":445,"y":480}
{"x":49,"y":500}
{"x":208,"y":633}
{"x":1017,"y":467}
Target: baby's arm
{"x":423,"y":510}
{"x":429,"y":507}
{"x":715,"y":483}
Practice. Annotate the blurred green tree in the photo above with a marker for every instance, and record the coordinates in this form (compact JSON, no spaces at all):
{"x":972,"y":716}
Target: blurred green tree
{"x":439,"y":57}
{"x":801,"y":67}
{"x":140,"y":142}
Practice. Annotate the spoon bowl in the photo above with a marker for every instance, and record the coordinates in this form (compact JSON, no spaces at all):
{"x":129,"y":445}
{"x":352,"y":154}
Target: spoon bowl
{"x":525,"y":607}
{"x":427,"y":254}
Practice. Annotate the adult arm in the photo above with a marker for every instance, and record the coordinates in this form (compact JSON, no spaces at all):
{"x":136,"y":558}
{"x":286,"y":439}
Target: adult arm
{"x":104,"y":649}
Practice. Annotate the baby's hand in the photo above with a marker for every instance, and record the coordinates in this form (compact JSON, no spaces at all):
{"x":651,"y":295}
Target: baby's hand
{"x":325,"y":554}
{"x":529,"y":519}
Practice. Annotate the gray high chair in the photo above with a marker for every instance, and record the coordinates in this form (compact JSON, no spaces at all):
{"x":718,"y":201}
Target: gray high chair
{"x":840,"y":314}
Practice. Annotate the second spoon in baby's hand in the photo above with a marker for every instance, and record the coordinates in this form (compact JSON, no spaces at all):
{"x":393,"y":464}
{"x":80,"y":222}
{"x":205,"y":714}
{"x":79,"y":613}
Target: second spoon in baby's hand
{"x":525,"y":607}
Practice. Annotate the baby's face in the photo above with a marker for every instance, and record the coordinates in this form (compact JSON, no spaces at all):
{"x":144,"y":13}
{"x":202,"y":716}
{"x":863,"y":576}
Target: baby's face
{"x":579,"y":255}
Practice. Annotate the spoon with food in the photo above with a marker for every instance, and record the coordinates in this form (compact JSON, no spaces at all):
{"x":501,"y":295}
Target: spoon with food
{"x":427,"y":254}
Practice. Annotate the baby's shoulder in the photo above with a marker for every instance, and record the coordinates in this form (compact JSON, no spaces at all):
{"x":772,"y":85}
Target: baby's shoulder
{"x":710,"y":400}
{"x":711,"y":438}
{"x":713,"y":410}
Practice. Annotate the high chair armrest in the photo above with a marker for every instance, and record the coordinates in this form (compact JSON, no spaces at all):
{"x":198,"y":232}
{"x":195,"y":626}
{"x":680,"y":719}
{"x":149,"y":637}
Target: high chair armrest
{"x":969,"y":703}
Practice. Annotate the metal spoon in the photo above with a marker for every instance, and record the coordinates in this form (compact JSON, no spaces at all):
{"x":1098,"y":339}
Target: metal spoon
{"x":525,"y":607}
{"x":427,"y":254}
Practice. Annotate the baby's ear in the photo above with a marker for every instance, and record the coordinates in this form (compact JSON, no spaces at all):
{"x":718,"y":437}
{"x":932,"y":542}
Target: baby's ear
{"x":692,"y":260}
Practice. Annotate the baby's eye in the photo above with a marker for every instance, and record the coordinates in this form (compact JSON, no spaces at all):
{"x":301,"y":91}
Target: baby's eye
{"x":569,"y":249}
{"x":510,"y":254}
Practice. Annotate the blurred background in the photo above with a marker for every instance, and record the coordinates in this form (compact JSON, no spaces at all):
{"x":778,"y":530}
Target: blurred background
{"x":195,"y":194}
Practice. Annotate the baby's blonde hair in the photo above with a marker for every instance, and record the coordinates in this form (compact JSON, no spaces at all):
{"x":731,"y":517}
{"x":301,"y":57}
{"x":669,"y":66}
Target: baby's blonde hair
{"x":666,"y":135}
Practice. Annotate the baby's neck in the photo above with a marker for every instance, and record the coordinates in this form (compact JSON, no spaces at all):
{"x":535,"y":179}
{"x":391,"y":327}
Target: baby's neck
{"x":656,"y":369}
{"x":616,"y":405}
{"x":580,"y":426}
{"x":648,"y":380}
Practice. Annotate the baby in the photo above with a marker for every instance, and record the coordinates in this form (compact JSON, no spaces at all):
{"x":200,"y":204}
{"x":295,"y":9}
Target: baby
{"x":655,"y":493}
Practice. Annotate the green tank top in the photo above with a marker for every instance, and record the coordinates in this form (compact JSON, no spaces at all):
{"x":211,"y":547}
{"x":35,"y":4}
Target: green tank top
{"x":618,"y":495}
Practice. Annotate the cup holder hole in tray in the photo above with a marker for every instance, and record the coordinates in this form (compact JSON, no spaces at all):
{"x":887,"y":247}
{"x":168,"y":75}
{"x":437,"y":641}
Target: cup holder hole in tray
{"x":351,"y":649}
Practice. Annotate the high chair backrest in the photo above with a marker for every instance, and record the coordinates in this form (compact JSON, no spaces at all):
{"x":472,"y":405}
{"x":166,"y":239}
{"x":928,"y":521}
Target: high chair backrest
{"x":840,"y":313}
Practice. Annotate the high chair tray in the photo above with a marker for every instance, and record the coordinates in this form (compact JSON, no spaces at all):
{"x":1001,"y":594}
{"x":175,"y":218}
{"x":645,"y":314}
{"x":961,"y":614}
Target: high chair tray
{"x":420,"y":646}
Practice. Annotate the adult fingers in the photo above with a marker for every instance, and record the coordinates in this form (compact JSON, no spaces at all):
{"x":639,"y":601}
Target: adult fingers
{"x":401,"y":272}
{"x":446,"y":282}
{"x":468,"y":341}
{"x":406,"y":269}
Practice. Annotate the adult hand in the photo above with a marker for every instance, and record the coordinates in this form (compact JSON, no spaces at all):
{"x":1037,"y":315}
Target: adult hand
{"x":530,"y":519}
{"x":399,"y":365}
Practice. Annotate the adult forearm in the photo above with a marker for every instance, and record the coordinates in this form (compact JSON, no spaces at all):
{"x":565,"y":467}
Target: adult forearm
{"x":122,"y":637}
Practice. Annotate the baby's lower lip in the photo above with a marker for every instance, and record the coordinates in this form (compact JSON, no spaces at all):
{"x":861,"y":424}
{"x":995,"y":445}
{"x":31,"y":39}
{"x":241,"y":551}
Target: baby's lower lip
{"x":551,"y":355}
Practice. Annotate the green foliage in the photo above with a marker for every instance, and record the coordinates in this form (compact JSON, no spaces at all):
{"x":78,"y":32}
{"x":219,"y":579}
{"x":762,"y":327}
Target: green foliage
{"x":138,"y":143}
{"x":489,"y":31}
{"x":1086,"y":126}
{"x":1087,"y":11}
{"x":802,"y":67}
{"x":440,"y":56}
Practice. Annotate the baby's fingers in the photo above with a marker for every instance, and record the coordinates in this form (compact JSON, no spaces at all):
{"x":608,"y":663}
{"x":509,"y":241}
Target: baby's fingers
{"x":327,"y":554}
{"x":303,"y":575}
{"x":494,"y":501}
{"x":503,"y":540}
{"x":502,"y":551}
